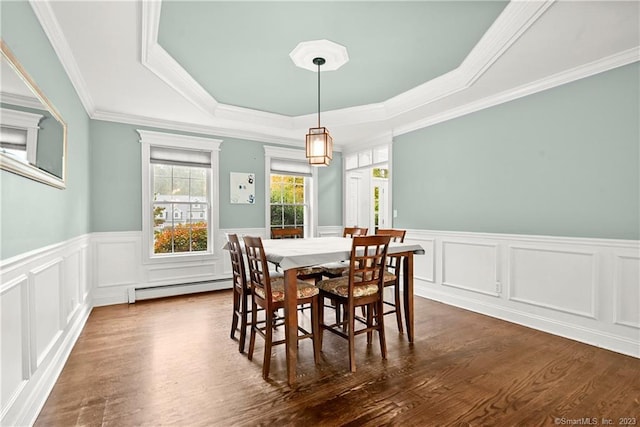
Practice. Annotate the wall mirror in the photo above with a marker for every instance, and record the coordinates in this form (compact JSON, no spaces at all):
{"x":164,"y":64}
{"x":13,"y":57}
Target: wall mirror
{"x":33,"y":136}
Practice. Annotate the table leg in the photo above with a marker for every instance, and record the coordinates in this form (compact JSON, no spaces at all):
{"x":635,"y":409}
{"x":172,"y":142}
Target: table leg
{"x":291,"y":322}
{"x":407,"y":270}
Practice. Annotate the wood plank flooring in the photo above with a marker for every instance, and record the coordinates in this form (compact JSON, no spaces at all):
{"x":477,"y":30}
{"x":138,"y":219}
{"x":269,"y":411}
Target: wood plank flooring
{"x":171,"y":362}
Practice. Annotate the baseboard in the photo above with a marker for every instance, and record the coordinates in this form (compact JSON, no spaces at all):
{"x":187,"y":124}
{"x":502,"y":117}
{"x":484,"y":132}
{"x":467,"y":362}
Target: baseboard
{"x":182,"y":289}
{"x":545,"y":324}
{"x":27,"y":407}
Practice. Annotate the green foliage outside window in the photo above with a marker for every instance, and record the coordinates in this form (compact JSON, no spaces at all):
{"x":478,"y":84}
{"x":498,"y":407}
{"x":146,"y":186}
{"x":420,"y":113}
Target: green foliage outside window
{"x":287,"y":201}
{"x":380,"y":173}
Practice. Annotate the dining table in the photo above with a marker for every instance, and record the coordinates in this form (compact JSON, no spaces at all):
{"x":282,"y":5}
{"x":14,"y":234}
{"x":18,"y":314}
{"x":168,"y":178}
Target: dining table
{"x":293,"y":254}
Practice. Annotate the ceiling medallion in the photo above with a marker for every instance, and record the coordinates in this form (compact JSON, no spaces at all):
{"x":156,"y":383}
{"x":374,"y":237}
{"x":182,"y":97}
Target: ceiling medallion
{"x":335,"y":55}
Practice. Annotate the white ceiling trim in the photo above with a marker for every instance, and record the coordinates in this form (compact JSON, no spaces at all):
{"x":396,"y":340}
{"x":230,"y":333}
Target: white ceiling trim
{"x":159,"y":62}
{"x":516,"y":18}
{"x":240,"y":133}
{"x":162,"y":64}
{"x":237,"y":122}
{"x":605,"y":64}
{"x":51,"y":27}
{"x":504,"y":32}
{"x":21,"y":100}
{"x":385,"y":138}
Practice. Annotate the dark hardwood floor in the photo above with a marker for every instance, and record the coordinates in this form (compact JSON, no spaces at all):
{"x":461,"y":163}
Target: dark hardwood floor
{"x":171,"y":362}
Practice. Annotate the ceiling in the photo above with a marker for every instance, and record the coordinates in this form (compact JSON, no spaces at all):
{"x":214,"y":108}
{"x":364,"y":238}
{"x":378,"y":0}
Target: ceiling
{"x":223,"y":68}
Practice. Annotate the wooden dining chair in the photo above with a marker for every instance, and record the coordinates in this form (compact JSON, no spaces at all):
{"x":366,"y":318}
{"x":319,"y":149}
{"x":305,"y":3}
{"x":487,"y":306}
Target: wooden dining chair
{"x":287,"y":233}
{"x":306,"y":273}
{"x":337,"y":269}
{"x":241,"y":291}
{"x":392,"y":274}
{"x":269,"y":295}
{"x":362,"y":287}
{"x":354,"y":231}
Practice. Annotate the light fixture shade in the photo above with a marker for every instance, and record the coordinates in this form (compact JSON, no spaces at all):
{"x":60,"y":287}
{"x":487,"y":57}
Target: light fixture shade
{"x":319,"y":146}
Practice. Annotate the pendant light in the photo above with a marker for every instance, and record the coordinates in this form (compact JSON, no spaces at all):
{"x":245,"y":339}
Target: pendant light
{"x":319,"y":143}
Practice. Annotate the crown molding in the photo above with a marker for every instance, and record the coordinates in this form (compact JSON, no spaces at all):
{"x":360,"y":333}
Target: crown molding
{"x":515,"y":19}
{"x":255,"y":117}
{"x":385,"y":138}
{"x":512,"y":22}
{"x":51,"y":28}
{"x":344,"y":117}
{"x":389,"y":116}
{"x":159,"y":62}
{"x":374,"y":112}
{"x":21,"y":100}
{"x":605,"y":64}
{"x":226,"y":131}
{"x":176,"y":140}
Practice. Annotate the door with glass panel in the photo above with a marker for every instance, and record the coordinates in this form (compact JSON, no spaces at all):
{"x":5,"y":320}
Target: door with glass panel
{"x":367,"y":201}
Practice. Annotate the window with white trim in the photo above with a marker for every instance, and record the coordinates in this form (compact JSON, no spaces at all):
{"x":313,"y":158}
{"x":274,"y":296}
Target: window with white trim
{"x":19,"y":134}
{"x":180,"y":187}
{"x":287,"y":201}
{"x":290,"y":190}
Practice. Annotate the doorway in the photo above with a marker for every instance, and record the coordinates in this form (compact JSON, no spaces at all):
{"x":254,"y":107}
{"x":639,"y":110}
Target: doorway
{"x":367,"y":198}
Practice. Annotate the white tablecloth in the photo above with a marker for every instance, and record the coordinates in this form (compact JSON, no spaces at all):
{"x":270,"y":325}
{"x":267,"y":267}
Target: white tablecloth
{"x":295,"y":253}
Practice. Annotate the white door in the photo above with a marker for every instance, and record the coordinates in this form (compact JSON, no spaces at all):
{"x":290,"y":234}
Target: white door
{"x":357,"y":199}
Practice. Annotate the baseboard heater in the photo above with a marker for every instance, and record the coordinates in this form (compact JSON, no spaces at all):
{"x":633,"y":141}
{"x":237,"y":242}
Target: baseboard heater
{"x":139,"y":294}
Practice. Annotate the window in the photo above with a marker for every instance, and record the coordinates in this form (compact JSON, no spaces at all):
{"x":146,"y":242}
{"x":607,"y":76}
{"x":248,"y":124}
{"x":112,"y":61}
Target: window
{"x":179,"y":189}
{"x":179,"y":186}
{"x":287,"y":201}
{"x":19,"y":134}
{"x":290,"y":190}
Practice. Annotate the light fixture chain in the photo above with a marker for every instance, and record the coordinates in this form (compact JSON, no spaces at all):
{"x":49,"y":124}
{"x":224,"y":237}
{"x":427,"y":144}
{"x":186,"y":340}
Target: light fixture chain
{"x":318,"y":93}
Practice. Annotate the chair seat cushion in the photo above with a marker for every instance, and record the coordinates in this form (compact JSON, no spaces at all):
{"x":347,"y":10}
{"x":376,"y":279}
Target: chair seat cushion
{"x":275,"y":274}
{"x":340,"y":286}
{"x":305,"y":290}
{"x":389,"y":278}
{"x":310,"y":271}
{"x":335,"y":268}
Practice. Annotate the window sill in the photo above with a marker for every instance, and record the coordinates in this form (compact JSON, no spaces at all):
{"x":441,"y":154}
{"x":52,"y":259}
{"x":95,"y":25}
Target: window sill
{"x":181,"y":258}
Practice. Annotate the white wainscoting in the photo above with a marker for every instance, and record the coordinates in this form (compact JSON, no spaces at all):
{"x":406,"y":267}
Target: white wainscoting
{"x":584,"y":289}
{"x":121,"y":275}
{"x":45,"y":300}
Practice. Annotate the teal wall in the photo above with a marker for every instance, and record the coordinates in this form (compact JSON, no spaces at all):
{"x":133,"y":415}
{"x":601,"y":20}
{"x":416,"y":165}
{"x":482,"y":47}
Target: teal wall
{"x":116,"y":177}
{"x":563,"y":162}
{"x":241,"y":156}
{"x":34,"y":215}
{"x":116,"y":184}
{"x":330,"y":192}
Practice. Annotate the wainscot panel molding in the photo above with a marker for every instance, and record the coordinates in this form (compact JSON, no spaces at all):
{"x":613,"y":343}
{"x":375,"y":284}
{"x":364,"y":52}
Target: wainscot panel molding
{"x":45,"y":300}
{"x":473,"y":266}
{"x":579,"y":288}
{"x":122,"y":276}
{"x":330,"y":231}
{"x":584,"y":289}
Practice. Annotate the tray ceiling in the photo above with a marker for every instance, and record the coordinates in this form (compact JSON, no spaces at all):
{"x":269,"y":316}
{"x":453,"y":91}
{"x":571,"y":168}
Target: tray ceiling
{"x":223,"y":68}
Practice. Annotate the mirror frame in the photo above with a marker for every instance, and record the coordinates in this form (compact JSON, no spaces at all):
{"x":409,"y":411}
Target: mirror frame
{"x":25,"y":169}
